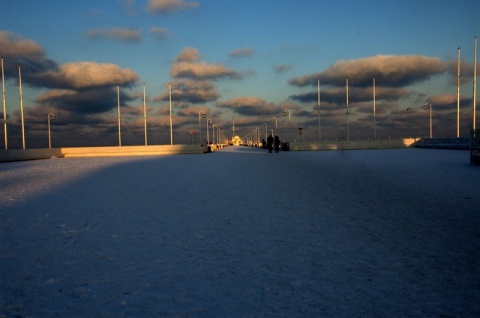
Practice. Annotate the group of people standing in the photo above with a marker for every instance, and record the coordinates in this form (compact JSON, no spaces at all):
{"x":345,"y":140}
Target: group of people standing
{"x":273,"y":142}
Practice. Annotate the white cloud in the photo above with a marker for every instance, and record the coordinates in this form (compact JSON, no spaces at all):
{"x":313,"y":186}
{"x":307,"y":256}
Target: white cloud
{"x":121,"y":34}
{"x":160,"y":33}
{"x":243,"y":52}
{"x":390,"y":70}
{"x":167,"y":6}
{"x":79,"y":75}
{"x":188,"y":65}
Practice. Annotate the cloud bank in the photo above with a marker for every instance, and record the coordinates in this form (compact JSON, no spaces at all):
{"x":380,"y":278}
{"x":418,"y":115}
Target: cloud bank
{"x":188,"y":65}
{"x":82,"y":75}
{"x":17,"y":50}
{"x":250,"y":106}
{"x":389,"y":70}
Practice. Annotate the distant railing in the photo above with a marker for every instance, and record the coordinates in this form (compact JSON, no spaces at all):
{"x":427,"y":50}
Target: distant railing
{"x":475,"y":147}
{"x":444,"y":143}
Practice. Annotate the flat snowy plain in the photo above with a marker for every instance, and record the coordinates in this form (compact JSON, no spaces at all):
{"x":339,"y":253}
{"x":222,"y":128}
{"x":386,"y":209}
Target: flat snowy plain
{"x":242,"y":233}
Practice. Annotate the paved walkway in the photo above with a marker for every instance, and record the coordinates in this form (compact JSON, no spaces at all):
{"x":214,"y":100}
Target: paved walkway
{"x":242,"y":233}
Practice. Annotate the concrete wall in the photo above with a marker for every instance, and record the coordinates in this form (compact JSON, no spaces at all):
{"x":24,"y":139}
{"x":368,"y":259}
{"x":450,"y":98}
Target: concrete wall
{"x":77,"y":152}
{"x":444,"y":143}
{"x":352,"y":144}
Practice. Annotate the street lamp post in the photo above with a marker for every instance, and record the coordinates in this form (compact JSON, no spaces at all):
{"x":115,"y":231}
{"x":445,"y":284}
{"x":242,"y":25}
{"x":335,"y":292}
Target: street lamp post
{"x":428,"y":105}
{"x":52,"y":115}
{"x":208,"y":138}
{"x":348,"y":120}
{"x":287,"y":110}
{"x":145,"y":113}
{"x":274,"y":119}
{"x":4,"y":99}
{"x":458,"y":95}
{"x":318,"y":105}
{"x":474,"y":83}
{"x":213,"y":134}
{"x":203,"y":115}
{"x":21,"y":104}
{"x":170,"y":102}
{"x":118,"y":117}
{"x":374,"y":113}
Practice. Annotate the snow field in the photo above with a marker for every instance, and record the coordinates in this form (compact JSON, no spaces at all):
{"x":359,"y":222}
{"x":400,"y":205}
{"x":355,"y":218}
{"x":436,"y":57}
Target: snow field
{"x":242,"y":233}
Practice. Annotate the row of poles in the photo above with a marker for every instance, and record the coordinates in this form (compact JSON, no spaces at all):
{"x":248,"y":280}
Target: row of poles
{"x":287,"y":111}
{"x":51,"y":116}
{"x":201,"y":113}
{"x":427,"y":105}
{"x":4,"y":100}
{"x":256,"y":132}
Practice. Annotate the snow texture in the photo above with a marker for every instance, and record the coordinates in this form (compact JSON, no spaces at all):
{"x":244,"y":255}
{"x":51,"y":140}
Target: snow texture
{"x":242,"y":233}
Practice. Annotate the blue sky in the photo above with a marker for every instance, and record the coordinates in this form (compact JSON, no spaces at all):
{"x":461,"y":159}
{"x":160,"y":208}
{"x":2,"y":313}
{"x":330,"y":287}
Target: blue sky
{"x":248,"y":58}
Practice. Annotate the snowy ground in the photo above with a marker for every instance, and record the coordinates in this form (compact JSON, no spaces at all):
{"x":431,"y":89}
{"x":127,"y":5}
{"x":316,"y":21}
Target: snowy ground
{"x":242,"y":233}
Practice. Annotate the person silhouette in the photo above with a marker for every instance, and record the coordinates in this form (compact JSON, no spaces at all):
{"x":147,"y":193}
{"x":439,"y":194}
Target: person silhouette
{"x":277,"y":144}
{"x":270,"y":143}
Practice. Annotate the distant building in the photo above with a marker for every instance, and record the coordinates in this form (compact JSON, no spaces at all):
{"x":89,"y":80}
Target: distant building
{"x":237,"y":141}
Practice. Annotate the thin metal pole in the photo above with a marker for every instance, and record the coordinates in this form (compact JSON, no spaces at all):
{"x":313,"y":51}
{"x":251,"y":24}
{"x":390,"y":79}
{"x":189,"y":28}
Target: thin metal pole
{"x":348,"y":122}
{"x":276,"y":126}
{"x":49,"y":134}
{"x":145,"y":113}
{"x":374,"y":113}
{"x":208,"y":135}
{"x":170,"y":99}
{"x":431,"y":130}
{"x":118,"y":116}
{"x":318,"y":104}
{"x":233,"y":126}
{"x":458,"y":95}
{"x":289,"y":128}
{"x":21,"y":105}
{"x":199,"y":128}
{"x":474,"y":83}
{"x":4,"y":98}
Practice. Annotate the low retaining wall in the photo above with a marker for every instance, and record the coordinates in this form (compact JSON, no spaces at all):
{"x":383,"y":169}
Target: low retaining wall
{"x":78,"y":152}
{"x":352,"y":144}
{"x":444,"y":143}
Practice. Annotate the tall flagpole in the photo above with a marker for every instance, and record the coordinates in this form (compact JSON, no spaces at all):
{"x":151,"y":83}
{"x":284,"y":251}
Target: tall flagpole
{"x":4,"y":98}
{"x":348,"y":123}
{"x":474,"y":83}
{"x":170,"y":99}
{"x":145,"y":114}
{"x":21,"y":104}
{"x":458,"y":95}
{"x":318,"y":104}
{"x":374,"y":113}
{"x":118,"y":115}
{"x":233,"y":126}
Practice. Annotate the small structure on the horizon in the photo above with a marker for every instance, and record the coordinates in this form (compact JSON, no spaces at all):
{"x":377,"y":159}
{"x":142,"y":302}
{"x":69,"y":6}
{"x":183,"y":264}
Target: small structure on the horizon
{"x":236,"y":141}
